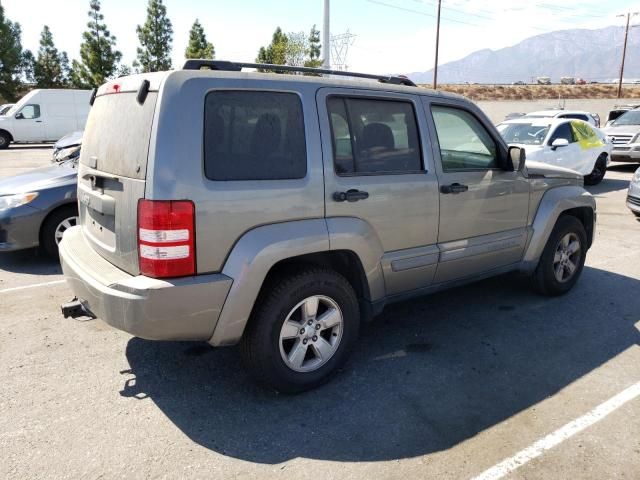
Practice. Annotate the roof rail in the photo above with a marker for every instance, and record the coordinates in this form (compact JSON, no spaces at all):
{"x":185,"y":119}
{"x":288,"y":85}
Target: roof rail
{"x":223,"y":65}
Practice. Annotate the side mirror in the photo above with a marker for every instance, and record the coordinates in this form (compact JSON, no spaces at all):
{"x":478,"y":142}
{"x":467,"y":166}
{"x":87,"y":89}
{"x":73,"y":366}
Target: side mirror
{"x":517,"y":156}
{"x":19,"y":116}
{"x":559,"y":142}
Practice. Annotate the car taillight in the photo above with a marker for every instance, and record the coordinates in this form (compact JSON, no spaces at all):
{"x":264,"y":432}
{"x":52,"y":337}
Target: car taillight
{"x":166,"y":238}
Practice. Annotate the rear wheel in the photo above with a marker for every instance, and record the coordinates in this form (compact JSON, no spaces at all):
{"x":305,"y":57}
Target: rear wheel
{"x":5,"y":140}
{"x":302,"y":330}
{"x":598,"y":172}
{"x":563,"y":258}
{"x":54,"y":227}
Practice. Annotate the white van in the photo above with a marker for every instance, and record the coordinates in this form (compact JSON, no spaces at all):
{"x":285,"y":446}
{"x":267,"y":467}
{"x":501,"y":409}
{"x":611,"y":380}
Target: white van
{"x":45,"y":116}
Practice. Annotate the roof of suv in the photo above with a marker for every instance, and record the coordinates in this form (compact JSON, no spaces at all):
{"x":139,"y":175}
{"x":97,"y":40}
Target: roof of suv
{"x":555,"y":113}
{"x":132,"y":83}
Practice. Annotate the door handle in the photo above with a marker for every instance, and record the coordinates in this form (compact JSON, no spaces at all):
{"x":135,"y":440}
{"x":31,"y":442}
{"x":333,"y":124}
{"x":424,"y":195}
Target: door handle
{"x":38,"y":121}
{"x":352,"y":195}
{"x":454,"y":188}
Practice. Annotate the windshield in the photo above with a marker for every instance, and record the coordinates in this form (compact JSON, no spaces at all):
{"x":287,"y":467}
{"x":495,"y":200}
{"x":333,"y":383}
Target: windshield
{"x":525,"y":133}
{"x":632,"y":117}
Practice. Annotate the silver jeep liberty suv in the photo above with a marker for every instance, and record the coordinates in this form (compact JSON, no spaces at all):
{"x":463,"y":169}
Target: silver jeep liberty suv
{"x":279,"y":211}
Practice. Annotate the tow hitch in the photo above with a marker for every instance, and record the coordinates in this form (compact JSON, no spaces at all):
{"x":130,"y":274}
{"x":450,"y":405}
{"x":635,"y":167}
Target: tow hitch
{"x":75,"y":309}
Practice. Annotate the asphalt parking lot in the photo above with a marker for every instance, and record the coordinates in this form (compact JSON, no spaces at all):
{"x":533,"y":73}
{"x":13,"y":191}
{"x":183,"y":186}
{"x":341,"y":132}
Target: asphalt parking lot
{"x":448,"y":386}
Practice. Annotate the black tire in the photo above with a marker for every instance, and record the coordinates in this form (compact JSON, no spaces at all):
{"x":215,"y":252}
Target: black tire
{"x":598,"y":172}
{"x":544,"y":278}
{"x":261,"y":345}
{"x":5,"y":140}
{"x":49,"y":227}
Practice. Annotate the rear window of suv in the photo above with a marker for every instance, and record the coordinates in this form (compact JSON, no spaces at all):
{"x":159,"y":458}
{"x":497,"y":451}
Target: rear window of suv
{"x":250,"y":135}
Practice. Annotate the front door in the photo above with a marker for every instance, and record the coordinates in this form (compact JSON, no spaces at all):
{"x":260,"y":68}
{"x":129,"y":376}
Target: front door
{"x":379,"y":174}
{"x":568,"y":156}
{"x":28,"y":124}
{"x":483,"y":207}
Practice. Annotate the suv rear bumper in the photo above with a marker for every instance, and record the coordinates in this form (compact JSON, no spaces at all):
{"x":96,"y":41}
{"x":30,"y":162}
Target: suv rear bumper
{"x":168,"y":309}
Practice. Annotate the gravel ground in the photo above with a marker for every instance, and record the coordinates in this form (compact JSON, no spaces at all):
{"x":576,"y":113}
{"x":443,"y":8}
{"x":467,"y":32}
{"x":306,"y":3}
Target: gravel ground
{"x":441,"y":387}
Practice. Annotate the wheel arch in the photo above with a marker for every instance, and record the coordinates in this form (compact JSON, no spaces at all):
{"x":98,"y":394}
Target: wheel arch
{"x":566,"y":200}
{"x":3,"y":130}
{"x":267,"y":251}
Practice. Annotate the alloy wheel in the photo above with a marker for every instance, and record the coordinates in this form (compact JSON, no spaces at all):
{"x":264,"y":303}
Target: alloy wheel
{"x":567,"y":257}
{"x":311,"y":333}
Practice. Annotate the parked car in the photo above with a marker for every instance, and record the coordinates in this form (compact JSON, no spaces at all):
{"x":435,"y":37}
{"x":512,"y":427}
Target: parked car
{"x":543,"y":80}
{"x":619,"y":110}
{"x":38,"y":206}
{"x":5,"y":108}
{"x":293,"y":207}
{"x":624,"y":135}
{"x":591,"y":118}
{"x":68,"y":147}
{"x":570,"y":144}
{"x":45,"y":116}
{"x":519,"y":82}
{"x":633,"y":195}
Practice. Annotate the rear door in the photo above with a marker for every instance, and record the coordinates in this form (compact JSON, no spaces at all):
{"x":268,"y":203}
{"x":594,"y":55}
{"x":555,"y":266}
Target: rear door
{"x":483,"y":207}
{"x":378,"y":168}
{"x":112,"y":173}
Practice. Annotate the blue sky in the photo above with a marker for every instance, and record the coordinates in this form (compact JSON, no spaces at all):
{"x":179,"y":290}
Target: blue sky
{"x":392,"y":36}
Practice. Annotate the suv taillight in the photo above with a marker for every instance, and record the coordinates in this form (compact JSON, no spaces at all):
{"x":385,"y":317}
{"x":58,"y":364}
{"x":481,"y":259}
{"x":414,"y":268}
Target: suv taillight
{"x":166,"y":238}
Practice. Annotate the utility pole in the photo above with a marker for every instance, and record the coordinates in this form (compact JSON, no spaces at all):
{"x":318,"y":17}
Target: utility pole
{"x":624,"y":50}
{"x":435,"y":67}
{"x":326,"y":38}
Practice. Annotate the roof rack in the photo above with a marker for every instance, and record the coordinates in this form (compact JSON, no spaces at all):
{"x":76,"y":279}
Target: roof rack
{"x":224,"y":65}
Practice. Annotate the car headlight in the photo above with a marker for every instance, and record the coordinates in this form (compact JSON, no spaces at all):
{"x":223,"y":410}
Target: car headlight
{"x":13,"y":201}
{"x":67,"y":153}
{"x":636,"y":177}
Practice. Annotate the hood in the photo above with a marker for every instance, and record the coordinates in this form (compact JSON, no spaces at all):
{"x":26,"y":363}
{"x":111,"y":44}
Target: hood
{"x":621,"y":130}
{"x":39,"y":179}
{"x":550,"y":171}
{"x":69,"y":140}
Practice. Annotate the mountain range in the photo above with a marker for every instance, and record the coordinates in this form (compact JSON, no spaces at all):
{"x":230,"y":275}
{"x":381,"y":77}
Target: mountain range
{"x":590,"y":54}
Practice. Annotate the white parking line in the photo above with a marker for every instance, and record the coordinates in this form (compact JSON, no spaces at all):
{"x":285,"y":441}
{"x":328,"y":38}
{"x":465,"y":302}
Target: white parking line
{"x":570,"y":429}
{"x":13,"y":289}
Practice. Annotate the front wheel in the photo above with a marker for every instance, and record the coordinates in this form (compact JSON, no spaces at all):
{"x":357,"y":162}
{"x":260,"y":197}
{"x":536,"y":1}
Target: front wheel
{"x":563,"y":258}
{"x":598,"y":172}
{"x":54,"y":227}
{"x":302,"y":330}
{"x":5,"y":140}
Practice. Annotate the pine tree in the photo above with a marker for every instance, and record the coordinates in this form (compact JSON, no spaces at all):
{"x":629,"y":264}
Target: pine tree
{"x":156,"y":36}
{"x":97,"y":51}
{"x":50,"y":69}
{"x":198,"y":46}
{"x":313,"y":49}
{"x":276,"y":52}
{"x":11,"y":58}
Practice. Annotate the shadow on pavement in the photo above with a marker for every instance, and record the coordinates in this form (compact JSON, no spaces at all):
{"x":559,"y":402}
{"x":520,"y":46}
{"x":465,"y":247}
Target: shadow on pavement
{"x":425,"y":376}
{"x":608,"y":185}
{"x":624,"y":167}
{"x":31,"y":261}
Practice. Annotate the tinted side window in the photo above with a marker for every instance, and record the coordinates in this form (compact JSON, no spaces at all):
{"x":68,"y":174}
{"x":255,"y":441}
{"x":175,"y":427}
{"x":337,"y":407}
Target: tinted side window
{"x":30,"y":111}
{"x":562,"y":131}
{"x":464,"y":143}
{"x":373,"y":136}
{"x":254,"y":136}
